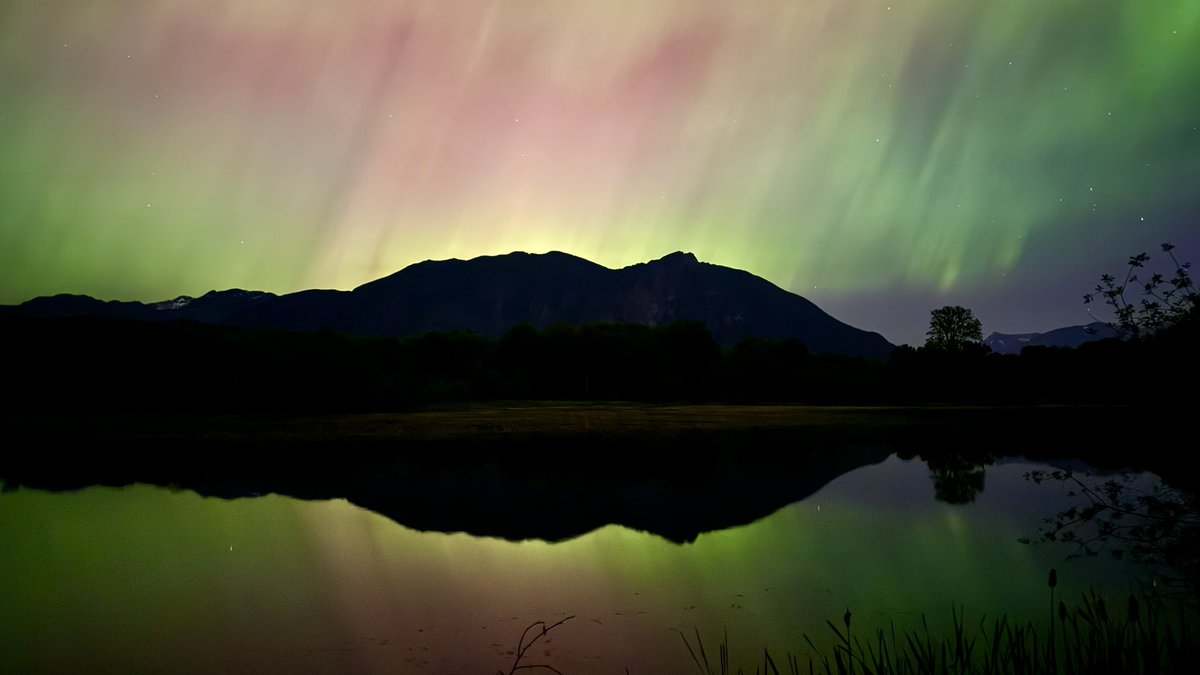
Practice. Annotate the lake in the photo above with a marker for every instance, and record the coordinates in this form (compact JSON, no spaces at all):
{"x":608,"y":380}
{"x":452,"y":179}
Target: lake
{"x":149,"y":579}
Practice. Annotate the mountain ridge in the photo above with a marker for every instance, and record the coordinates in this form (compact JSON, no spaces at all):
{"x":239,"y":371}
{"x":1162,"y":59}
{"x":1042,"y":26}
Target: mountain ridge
{"x":489,"y":295}
{"x":1066,"y":336}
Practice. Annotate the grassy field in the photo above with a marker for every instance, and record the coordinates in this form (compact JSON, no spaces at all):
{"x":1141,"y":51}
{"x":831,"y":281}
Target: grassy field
{"x":656,"y":438}
{"x":548,"y":419}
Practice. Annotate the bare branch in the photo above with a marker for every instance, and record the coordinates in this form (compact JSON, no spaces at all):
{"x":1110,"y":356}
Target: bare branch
{"x":522,"y":647}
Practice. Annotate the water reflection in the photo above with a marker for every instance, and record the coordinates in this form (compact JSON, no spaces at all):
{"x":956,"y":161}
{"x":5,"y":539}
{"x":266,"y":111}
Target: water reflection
{"x":957,"y":477}
{"x":1130,"y":517}
{"x":146,"y":579}
{"x":517,"y":498}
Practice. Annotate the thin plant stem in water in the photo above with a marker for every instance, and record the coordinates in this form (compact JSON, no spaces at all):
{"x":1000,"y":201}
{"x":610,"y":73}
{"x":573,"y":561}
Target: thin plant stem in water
{"x":523,"y":646}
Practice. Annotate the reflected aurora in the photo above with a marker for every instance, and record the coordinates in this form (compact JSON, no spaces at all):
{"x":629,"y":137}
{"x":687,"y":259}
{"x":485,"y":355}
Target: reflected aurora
{"x":141,"y":578}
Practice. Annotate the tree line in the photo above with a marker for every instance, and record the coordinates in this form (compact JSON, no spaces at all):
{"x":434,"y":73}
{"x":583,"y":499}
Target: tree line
{"x":81,"y":364}
{"x":90,"y":364}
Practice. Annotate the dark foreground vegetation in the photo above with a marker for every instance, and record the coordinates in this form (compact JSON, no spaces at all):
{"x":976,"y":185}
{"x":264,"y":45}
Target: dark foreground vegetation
{"x":1146,"y":634}
{"x":98,"y":365}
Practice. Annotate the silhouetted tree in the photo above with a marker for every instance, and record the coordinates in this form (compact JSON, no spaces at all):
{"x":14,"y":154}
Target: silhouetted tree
{"x":1147,"y":521}
{"x":957,"y":478}
{"x":765,"y":368}
{"x":953,"y":328}
{"x":1165,"y":301}
{"x":691,"y":354}
{"x":518,"y":355}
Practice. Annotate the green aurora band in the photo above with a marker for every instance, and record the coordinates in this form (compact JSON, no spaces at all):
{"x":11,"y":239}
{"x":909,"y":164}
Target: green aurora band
{"x":861,"y":152}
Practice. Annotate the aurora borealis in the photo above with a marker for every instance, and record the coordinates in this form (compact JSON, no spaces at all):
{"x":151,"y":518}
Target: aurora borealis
{"x":880,"y":157}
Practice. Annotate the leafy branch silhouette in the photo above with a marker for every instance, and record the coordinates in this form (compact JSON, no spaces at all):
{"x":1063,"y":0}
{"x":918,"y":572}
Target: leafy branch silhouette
{"x":1165,"y":300}
{"x":1156,"y":525}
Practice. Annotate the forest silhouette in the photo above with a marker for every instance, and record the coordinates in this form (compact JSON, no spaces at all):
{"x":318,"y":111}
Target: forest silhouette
{"x":93,"y":364}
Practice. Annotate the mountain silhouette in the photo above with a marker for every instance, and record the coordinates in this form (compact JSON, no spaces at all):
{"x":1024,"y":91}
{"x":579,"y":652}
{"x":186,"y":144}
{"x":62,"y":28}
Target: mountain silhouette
{"x":1070,"y":336}
{"x":491,"y":294}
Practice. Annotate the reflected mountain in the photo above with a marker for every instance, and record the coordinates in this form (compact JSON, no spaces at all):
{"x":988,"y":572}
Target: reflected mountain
{"x":528,"y":495}
{"x":553,"y":472}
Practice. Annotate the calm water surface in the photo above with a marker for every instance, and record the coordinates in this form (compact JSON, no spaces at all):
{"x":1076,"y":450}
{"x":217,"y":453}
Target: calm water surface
{"x":143,"y":579}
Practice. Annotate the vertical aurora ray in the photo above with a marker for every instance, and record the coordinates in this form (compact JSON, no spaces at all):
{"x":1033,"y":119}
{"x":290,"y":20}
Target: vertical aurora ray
{"x":845,"y":149}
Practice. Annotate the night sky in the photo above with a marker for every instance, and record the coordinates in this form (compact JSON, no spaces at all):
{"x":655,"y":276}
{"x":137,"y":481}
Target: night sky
{"x":880,"y":157}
